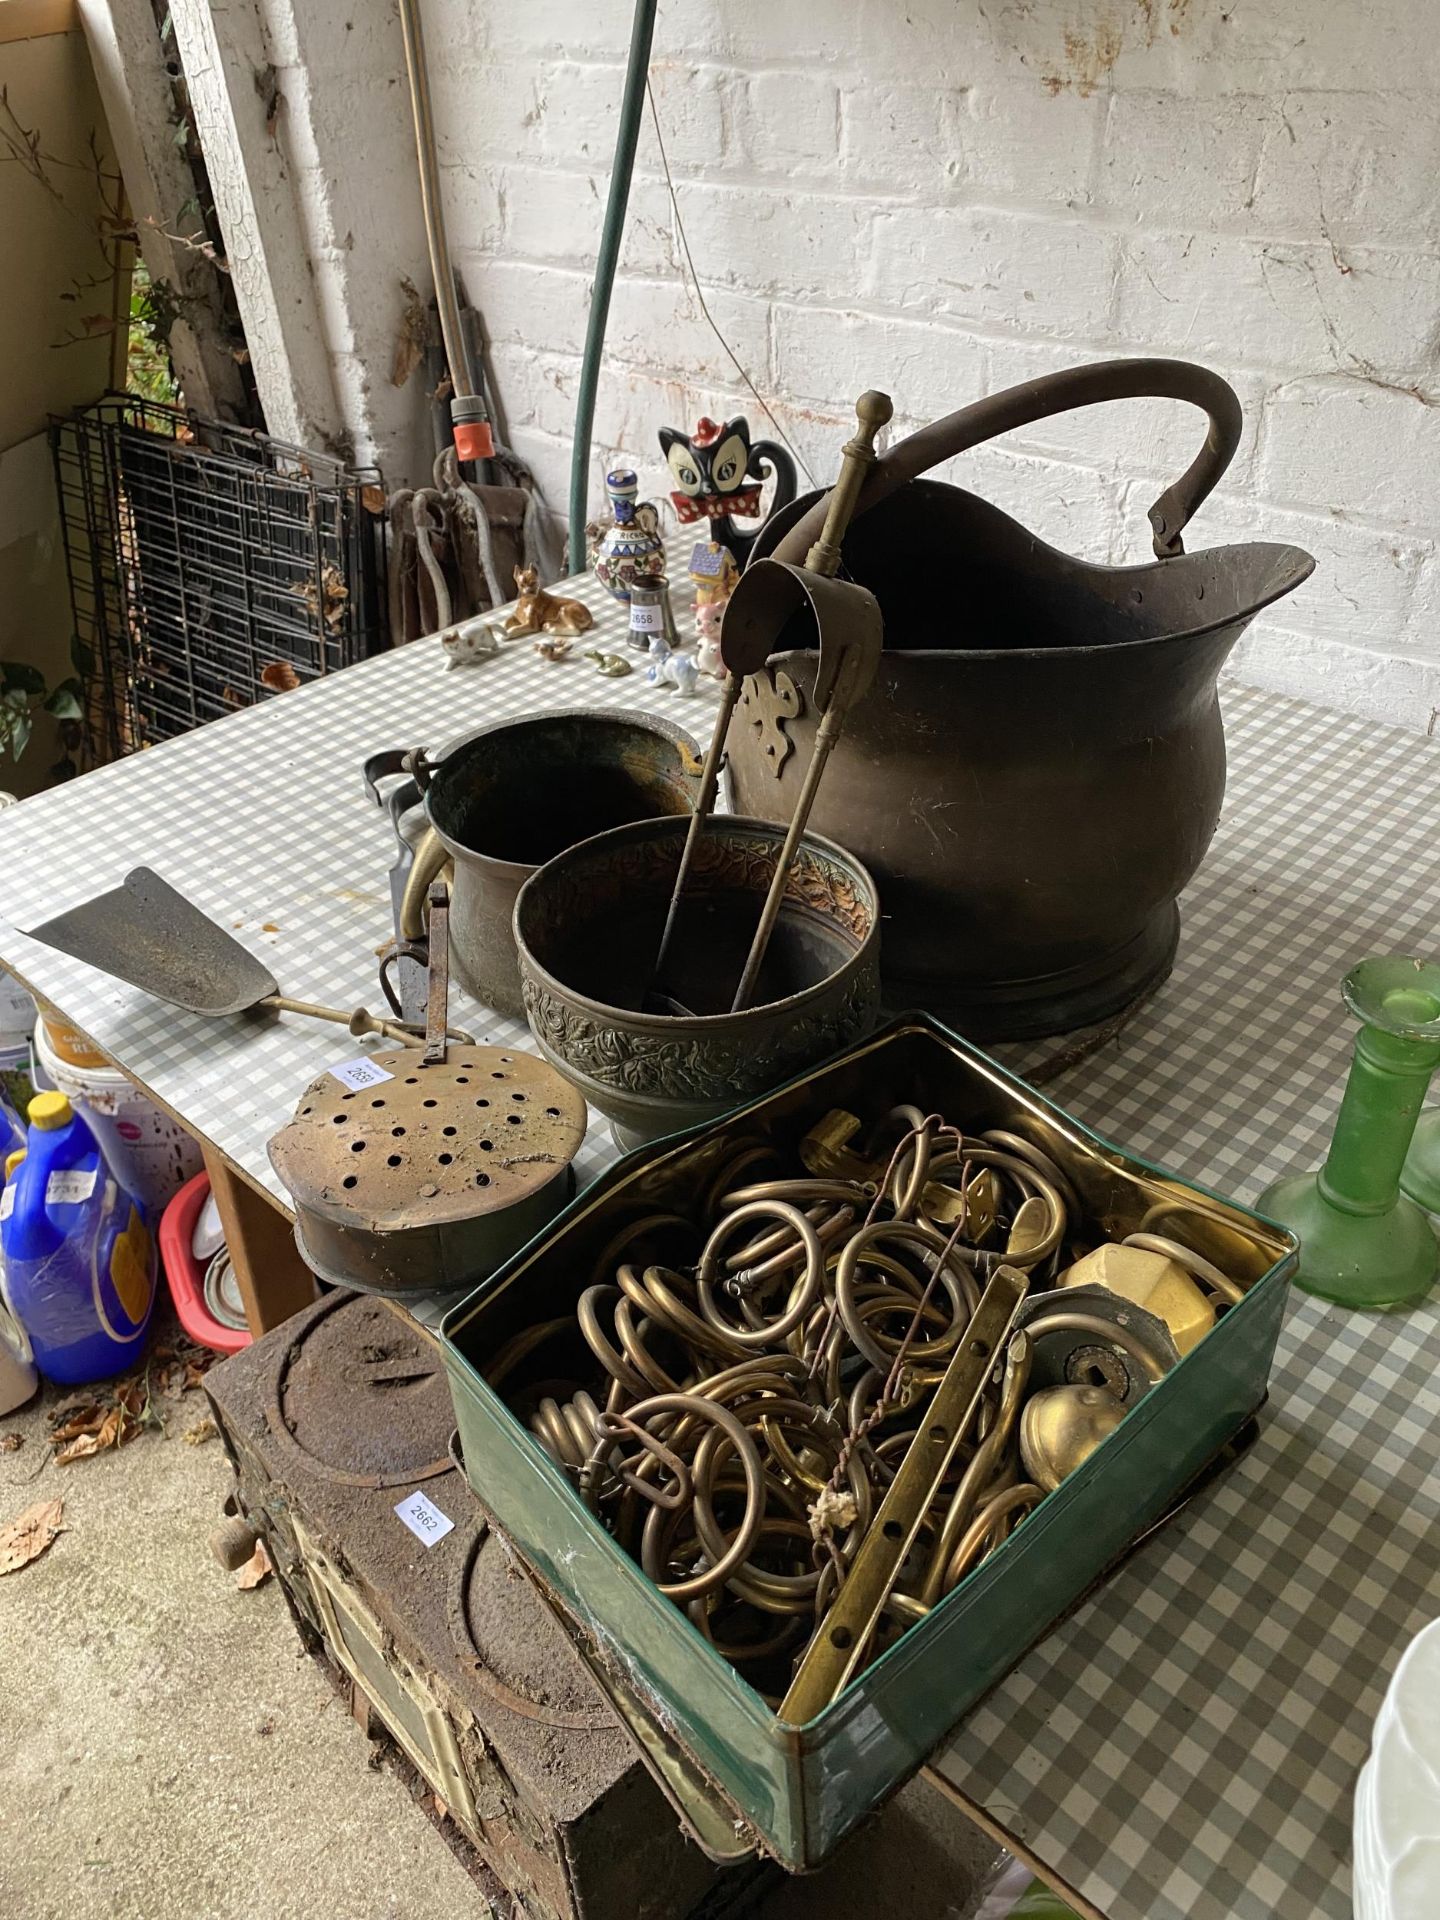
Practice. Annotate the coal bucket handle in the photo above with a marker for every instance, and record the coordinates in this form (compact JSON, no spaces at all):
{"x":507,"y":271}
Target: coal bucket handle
{"x":1034,"y":400}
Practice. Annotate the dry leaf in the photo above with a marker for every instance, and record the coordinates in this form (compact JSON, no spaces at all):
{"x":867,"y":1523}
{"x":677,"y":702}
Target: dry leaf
{"x":78,"y":1414}
{"x":279,"y":677}
{"x":27,"y":1537}
{"x":11,"y":1442}
{"x":255,"y":1569}
{"x":412,"y":334}
{"x":202,"y":1431}
{"x":87,"y":1420}
{"x":372,"y":498}
{"x":329,"y":601}
{"x":118,"y":1426}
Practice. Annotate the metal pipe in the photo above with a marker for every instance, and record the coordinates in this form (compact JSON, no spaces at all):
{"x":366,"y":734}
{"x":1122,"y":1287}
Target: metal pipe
{"x":452,"y":330}
{"x":642,"y":32}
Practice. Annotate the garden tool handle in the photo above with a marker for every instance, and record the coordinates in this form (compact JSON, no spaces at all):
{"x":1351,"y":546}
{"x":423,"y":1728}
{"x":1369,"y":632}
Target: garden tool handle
{"x":1000,"y":413}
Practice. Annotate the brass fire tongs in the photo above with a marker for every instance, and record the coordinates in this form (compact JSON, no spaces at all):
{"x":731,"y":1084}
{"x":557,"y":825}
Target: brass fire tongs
{"x":849,"y":635}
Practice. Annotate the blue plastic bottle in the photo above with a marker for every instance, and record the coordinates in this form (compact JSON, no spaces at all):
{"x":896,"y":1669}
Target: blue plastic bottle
{"x":79,"y":1260}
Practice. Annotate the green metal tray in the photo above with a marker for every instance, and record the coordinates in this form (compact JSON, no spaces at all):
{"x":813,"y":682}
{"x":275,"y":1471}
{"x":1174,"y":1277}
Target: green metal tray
{"x":801,"y":1788}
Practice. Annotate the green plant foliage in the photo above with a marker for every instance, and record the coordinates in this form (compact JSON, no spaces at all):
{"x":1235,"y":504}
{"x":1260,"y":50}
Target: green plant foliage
{"x":153,"y":312}
{"x":24,"y":691}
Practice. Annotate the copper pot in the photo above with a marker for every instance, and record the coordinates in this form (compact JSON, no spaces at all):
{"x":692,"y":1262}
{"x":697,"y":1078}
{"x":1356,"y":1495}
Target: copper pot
{"x":509,"y":796}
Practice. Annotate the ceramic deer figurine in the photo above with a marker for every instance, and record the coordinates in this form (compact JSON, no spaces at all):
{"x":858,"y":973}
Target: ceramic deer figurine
{"x":537,"y":611}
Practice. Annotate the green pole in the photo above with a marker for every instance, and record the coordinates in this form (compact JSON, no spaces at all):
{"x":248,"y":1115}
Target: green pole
{"x":642,"y":32}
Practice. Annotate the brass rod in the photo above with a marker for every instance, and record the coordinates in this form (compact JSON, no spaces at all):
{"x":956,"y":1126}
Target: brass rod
{"x":704,"y":801}
{"x":843,"y":1637}
{"x":873,"y":411}
{"x":826,"y":736}
{"x":359,"y":1022}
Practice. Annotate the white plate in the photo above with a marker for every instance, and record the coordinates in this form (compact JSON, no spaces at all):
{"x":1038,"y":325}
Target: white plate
{"x":209,"y":1236}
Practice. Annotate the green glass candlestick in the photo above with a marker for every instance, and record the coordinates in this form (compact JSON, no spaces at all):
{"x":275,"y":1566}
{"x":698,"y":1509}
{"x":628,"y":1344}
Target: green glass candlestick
{"x":1363,"y":1243}
{"x":1421,"y":1178}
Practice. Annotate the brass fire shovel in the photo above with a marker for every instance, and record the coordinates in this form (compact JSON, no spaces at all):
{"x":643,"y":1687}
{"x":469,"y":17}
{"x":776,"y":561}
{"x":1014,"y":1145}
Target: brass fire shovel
{"x":149,"y":934}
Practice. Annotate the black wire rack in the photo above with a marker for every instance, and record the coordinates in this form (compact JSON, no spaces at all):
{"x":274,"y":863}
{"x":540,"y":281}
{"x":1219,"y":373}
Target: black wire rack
{"x":211,"y":567}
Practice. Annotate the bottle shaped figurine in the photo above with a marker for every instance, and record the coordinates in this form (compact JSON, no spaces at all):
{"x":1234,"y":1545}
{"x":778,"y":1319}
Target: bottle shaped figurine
{"x":79,"y":1261}
{"x":629,"y":551}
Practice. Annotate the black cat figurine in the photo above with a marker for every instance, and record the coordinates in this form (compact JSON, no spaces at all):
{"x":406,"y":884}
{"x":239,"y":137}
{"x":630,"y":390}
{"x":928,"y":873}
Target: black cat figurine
{"x":719,"y":473}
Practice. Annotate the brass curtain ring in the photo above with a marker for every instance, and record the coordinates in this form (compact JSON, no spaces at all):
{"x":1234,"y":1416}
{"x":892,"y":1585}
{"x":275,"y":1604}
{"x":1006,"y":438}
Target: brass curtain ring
{"x":724,"y":1427}
{"x":774,"y":1332}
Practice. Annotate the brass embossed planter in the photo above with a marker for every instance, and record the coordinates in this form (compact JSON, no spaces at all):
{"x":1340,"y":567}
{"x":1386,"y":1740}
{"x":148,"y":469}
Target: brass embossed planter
{"x":587,"y":926}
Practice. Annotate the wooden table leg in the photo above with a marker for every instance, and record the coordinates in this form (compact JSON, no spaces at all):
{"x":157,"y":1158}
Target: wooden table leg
{"x":274,"y":1281}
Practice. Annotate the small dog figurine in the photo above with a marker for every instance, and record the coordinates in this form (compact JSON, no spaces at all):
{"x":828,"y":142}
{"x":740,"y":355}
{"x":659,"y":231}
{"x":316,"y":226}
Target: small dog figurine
{"x":537,"y":611}
{"x":465,"y":644}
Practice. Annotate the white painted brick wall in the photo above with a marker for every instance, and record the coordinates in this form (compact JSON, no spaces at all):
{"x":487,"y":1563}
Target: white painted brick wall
{"x":942,"y":198}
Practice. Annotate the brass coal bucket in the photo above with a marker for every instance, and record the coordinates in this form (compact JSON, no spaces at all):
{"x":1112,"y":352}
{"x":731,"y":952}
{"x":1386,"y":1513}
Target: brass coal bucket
{"x":1038,"y":767}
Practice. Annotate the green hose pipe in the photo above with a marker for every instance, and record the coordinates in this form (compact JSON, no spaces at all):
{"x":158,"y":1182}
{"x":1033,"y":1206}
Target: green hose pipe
{"x":1363,"y":1243}
{"x":642,"y":32}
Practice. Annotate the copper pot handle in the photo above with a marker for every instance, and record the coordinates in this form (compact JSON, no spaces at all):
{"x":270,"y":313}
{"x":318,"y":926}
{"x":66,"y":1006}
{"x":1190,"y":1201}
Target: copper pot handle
{"x":1000,"y":413}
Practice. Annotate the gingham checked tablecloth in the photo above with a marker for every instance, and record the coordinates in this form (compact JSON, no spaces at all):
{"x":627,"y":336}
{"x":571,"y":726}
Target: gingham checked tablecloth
{"x":1185,"y":1746}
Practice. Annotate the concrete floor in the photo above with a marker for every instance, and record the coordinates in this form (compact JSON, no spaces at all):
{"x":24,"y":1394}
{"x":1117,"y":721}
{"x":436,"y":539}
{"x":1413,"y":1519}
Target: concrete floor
{"x":170,"y":1753}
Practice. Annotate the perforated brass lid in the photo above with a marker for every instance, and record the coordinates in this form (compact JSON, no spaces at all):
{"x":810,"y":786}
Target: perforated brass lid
{"x":429,"y":1144}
